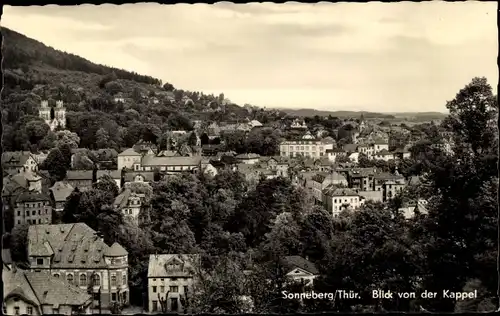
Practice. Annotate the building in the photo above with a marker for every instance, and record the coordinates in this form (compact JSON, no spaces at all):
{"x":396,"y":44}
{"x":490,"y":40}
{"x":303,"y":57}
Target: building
{"x":321,"y":180}
{"x":40,"y":293}
{"x":300,"y":269}
{"x":77,"y":254}
{"x":334,"y":153}
{"x":304,"y":148}
{"x":361,"y":178}
{"x":32,"y":208}
{"x":169,"y":164}
{"x":128,"y":158}
{"x":171,"y":278}
{"x":389,"y":184}
{"x":141,"y":176}
{"x":409,"y":210}
{"x":17,"y":162}
{"x":130,"y":203}
{"x":248,"y":159}
{"x":384,"y":155}
{"x":337,"y":199}
{"x":81,"y":179}
{"x":7,"y":258}
{"x":298,"y":124}
{"x":54,"y":117}
{"x":59,"y":192}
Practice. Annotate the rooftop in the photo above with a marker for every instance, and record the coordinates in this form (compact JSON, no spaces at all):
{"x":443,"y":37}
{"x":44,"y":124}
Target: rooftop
{"x":159,"y":265}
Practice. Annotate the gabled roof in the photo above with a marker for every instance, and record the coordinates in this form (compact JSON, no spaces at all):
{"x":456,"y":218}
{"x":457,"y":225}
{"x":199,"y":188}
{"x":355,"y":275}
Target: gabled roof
{"x":122,"y":198}
{"x":384,"y":152}
{"x":41,"y":288}
{"x":129,"y":152}
{"x":15,"y":158}
{"x":293,"y":262}
{"x":147,"y":175}
{"x":73,"y":245}
{"x":388,"y":176}
{"x":32,"y":196}
{"x":335,"y":150}
{"x":333,"y":191}
{"x":116,"y":250}
{"x":61,"y":190}
{"x":157,"y":265}
{"x":6,"y":256}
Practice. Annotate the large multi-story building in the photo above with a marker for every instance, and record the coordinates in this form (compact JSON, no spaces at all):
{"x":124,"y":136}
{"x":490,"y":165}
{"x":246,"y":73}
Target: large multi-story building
{"x":40,"y":293}
{"x":310,"y":148}
{"x":128,"y":158}
{"x":337,"y":199}
{"x":171,"y":278}
{"x":54,"y":117}
{"x":389,"y":184}
{"x":76,"y":253}
{"x":32,"y":208}
{"x":130,"y":203}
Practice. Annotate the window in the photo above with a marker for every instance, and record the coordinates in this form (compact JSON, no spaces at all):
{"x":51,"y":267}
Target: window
{"x":113,"y":280}
{"x":56,"y":275}
{"x":29,"y":310}
{"x":185,"y":289}
{"x":69,"y":277}
{"x":154,"y":289}
{"x":155,"y":306}
{"x":16,"y":310}
{"x":113,"y":297}
{"x":174,"y":289}
{"x":83,"y":279}
{"x":18,"y":213}
{"x":39,"y":261}
{"x":124,"y":279}
{"x":33,"y":212}
{"x":162,"y":289}
{"x":97,"y":280}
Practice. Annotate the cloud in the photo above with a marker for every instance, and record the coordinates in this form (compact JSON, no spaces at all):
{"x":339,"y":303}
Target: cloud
{"x":380,"y":56}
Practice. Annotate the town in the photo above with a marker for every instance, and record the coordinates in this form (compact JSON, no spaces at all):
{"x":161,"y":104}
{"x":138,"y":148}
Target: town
{"x":123,"y":194}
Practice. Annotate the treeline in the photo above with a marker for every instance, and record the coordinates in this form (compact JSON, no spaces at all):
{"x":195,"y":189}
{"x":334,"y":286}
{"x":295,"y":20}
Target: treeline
{"x":20,"y":51}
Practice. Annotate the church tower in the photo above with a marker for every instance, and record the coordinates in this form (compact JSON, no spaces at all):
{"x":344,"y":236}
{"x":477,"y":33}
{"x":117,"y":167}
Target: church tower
{"x":60,"y":114}
{"x":44,"y":112}
{"x":54,"y":117}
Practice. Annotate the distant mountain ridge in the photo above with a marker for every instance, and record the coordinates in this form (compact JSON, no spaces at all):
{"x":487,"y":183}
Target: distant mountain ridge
{"x":366,"y":114}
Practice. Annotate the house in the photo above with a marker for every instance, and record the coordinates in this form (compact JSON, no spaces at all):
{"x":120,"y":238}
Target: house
{"x":208,"y":168}
{"x":81,"y":179}
{"x":321,"y":180}
{"x":13,"y":186}
{"x":59,"y":192}
{"x":350,"y":148}
{"x":113,"y":174}
{"x":366,"y":149}
{"x":32,"y":208}
{"x":300,"y":269}
{"x":298,"y":124}
{"x":354,"y":157}
{"x":361,"y":178}
{"x":130,"y":203}
{"x":40,"y":293}
{"x":389,"y":184}
{"x":308,"y":136}
{"x":171,"y":278}
{"x":140,"y":176}
{"x":380,"y":144}
{"x":401,"y":153}
{"x":337,"y":199}
{"x":128,"y":158}
{"x":304,"y":148}
{"x":384,"y":155}
{"x":119,"y":97}
{"x":77,"y":254}
{"x":255,"y":123}
{"x":169,"y":164}
{"x":248,"y":159}
{"x":16,"y":162}
{"x":334,"y":153}
{"x":409,"y":210}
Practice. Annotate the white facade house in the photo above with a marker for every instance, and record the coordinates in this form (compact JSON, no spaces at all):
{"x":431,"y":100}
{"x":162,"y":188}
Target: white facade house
{"x":304,"y":148}
{"x":128,"y":158}
{"x":171,"y":282}
{"x":338,"y":199}
{"x":300,"y":269}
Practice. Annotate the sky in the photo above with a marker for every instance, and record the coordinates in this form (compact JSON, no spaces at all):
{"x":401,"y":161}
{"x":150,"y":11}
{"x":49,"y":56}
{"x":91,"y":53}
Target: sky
{"x":381,"y":57}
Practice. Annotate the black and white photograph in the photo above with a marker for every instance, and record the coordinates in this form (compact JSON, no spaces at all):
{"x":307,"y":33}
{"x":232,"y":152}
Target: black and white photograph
{"x":263,"y":158}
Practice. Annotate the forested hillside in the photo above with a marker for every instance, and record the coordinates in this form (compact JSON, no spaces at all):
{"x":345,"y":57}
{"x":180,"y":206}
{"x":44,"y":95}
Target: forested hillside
{"x":34,"y":71}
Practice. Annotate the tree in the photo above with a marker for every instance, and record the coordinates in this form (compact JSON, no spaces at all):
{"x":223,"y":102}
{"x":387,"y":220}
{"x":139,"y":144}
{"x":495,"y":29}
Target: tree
{"x":19,"y":243}
{"x":168,"y":87}
{"x":102,"y":138}
{"x":55,"y":164}
{"x":36,"y":131}
{"x":106,"y":184}
{"x":67,"y":137}
{"x":193,"y":139}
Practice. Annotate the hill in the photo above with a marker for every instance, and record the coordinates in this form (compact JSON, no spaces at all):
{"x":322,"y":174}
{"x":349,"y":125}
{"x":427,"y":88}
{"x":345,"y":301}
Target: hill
{"x":34,"y":71}
{"x":417,"y":116}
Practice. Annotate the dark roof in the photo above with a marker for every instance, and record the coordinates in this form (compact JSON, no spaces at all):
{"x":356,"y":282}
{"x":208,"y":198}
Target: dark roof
{"x":350,"y":147}
{"x":61,"y":190}
{"x":292,"y":262}
{"x":32,"y":196}
{"x":388,"y":176}
{"x":116,"y":250}
{"x":333,"y":190}
{"x":335,"y":150}
{"x":151,"y":160}
{"x":74,"y":246}
{"x":79,"y":175}
{"x":15,"y":158}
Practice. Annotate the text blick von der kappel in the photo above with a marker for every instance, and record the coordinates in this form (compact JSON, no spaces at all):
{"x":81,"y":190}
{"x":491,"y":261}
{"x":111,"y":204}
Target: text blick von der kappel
{"x":380,"y":294}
